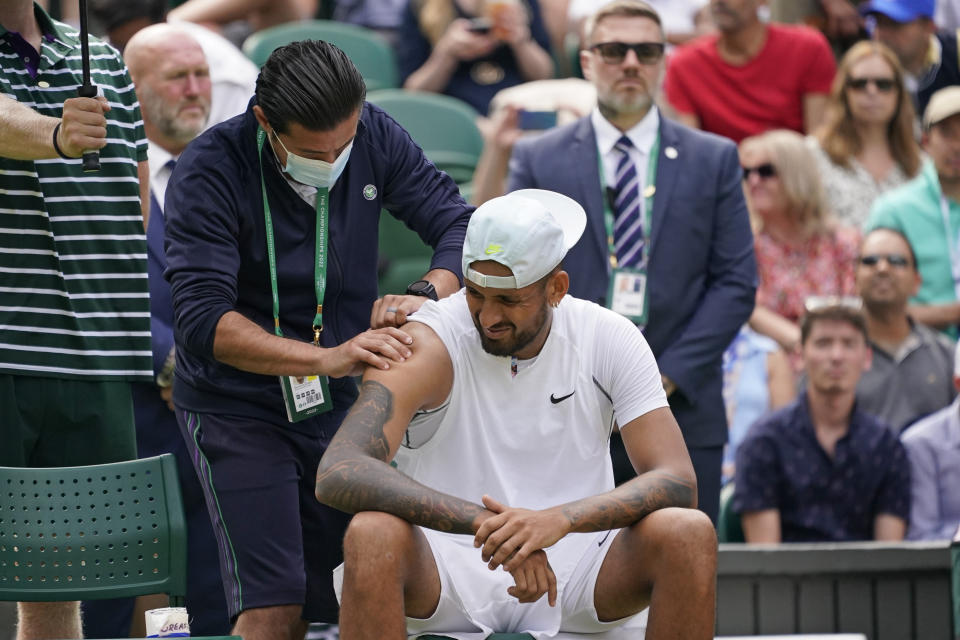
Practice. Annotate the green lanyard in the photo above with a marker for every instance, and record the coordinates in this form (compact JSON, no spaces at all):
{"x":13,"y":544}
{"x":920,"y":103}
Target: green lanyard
{"x":645,"y":214}
{"x":320,"y":253}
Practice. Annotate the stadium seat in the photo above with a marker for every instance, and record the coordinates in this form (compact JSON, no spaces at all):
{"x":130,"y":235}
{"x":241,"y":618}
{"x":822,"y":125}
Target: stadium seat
{"x":729,"y":528}
{"x":370,"y":53}
{"x":444,"y":127}
{"x":88,"y":533}
{"x":404,"y":257}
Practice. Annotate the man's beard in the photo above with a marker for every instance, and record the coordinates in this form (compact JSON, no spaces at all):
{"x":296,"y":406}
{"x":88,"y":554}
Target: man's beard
{"x":520,"y":339}
{"x":618,"y":106}
{"x":167,"y":121}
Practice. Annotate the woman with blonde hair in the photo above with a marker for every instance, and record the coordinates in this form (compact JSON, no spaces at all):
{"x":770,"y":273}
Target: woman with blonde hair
{"x":801,"y":251}
{"x":866,"y":145}
{"x":471,"y":49}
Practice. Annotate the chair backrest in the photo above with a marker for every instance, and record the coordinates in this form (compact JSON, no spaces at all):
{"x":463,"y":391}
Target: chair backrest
{"x":729,"y":525}
{"x":87,"y":533}
{"x":444,"y":127}
{"x":368,"y":50}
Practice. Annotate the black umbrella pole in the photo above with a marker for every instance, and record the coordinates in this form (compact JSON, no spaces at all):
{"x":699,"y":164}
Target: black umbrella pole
{"x":91,"y":159}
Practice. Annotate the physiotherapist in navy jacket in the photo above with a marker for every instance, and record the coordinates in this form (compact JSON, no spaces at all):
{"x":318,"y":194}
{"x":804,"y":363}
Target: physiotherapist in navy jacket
{"x":700,"y":268}
{"x":329,"y":162}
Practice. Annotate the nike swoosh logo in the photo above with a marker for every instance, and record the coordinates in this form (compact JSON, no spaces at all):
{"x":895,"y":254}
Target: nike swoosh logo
{"x":556,"y":400}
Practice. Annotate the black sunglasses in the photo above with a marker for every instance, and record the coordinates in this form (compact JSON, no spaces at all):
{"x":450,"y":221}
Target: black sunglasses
{"x":765,"y":170}
{"x":883,"y":85}
{"x":893,"y":259}
{"x":615,"y":52}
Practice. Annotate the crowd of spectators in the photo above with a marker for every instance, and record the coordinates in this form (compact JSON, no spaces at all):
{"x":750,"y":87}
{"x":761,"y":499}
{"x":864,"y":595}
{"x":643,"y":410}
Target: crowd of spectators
{"x":839,"y":388}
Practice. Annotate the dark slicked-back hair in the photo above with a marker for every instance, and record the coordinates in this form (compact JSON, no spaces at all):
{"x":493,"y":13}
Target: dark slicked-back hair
{"x":312,"y":83}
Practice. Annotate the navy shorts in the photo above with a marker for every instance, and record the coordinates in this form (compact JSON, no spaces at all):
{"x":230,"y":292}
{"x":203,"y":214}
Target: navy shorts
{"x":278,"y":545}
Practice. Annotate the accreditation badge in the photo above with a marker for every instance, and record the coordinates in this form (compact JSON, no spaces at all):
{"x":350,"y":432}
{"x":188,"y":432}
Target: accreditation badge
{"x":305,"y":396}
{"x":628,"y":294}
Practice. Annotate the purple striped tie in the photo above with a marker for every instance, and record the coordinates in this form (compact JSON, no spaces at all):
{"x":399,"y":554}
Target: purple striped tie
{"x":628,"y":239}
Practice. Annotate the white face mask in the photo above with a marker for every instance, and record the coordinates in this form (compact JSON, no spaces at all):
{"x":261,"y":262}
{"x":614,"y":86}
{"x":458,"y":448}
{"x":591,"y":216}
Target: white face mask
{"x":315,"y":173}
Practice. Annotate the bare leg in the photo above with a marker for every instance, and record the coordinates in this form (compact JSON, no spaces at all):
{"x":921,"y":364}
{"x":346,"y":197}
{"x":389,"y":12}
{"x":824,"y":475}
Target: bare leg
{"x":271,"y":623}
{"x":389,"y":573}
{"x":48,"y":620}
{"x":669,"y":560}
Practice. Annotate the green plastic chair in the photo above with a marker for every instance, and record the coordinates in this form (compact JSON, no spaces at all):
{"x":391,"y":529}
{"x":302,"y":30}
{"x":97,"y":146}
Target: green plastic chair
{"x":89,"y":533}
{"x":102,"y":531}
{"x":729,"y":527}
{"x":368,"y":50}
{"x":404,"y":256}
{"x":444,"y":127}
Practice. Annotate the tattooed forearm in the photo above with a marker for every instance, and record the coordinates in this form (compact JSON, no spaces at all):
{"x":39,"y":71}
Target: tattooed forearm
{"x":363,"y":427}
{"x":364,"y":484}
{"x":630,"y":502}
{"x":354,"y":475}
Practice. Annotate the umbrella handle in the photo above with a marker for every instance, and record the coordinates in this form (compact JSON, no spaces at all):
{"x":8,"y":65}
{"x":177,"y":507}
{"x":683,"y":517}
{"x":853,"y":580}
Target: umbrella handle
{"x":91,"y":159}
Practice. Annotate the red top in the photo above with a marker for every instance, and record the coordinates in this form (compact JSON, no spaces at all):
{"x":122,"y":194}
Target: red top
{"x":822,"y":266}
{"x":766,"y":93}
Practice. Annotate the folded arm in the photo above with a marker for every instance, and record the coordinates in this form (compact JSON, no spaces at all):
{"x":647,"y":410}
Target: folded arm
{"x":665,"y":478}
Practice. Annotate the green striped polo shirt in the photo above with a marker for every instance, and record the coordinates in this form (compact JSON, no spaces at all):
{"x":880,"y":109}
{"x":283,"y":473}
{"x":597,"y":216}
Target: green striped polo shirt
{"x":73,"y":259}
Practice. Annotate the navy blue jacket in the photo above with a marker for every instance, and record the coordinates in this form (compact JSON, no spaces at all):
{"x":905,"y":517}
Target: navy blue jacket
{"x":945,"y":74}
{"x":702,"y":271}
{"x":217,"y":259}
{"x":781,"y":465}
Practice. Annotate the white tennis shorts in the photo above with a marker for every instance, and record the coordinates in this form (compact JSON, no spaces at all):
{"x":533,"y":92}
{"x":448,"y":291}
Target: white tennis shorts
{"x":474,"y":601}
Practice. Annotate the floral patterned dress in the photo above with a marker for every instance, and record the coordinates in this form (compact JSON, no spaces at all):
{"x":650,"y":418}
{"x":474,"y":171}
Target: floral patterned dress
{"x":823,"y":265}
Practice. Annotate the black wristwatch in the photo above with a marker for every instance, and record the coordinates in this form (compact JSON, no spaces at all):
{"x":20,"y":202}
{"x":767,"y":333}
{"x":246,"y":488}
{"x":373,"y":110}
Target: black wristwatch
{"x":422,"y":288}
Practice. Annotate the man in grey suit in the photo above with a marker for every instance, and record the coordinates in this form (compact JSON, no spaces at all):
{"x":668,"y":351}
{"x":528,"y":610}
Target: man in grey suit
{"x":668,"y":240}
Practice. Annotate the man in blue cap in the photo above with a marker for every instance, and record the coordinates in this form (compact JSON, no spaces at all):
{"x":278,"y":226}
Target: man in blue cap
{"x":930,"y":58}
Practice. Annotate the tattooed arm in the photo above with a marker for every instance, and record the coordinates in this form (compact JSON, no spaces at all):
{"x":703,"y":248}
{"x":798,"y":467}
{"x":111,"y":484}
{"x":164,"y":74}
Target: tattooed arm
{"x":665,"y":479}
{"x":355,"y":474}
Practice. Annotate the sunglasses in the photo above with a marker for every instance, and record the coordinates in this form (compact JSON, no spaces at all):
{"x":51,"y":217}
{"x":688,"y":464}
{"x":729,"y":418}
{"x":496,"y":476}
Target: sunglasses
{"x":765,"y":171}
{"x":892,"y":259}
{"x":884,"y":85}
{"x":615,"y":52}
{"x":817,"y":303}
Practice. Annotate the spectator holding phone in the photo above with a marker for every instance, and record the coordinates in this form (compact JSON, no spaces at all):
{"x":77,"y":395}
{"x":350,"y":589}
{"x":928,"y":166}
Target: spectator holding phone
{"x":470,"y":49}
{"x":526,"y":109}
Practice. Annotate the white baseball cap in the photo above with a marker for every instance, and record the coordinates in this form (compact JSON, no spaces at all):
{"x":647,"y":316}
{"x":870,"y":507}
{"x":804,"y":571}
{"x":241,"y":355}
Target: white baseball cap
{"x":943,"y":104}
{"x":528,"y":231}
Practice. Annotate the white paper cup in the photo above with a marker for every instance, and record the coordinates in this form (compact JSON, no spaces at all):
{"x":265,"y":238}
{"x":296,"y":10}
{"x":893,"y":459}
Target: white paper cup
{"x":169,"y":622}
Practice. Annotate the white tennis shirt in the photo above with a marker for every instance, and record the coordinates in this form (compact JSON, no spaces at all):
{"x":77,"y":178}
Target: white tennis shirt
{"x":540,"y":438}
